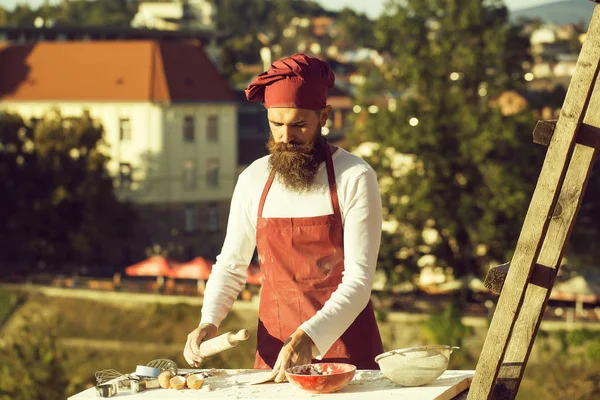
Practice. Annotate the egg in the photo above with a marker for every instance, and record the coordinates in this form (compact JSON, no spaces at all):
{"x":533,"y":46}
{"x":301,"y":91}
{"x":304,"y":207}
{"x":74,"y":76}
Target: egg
{"x":177,"y":382}
{"x":164,"y":379}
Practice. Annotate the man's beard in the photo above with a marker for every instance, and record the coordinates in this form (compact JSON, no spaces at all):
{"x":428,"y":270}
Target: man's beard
{"x":296,"y":164}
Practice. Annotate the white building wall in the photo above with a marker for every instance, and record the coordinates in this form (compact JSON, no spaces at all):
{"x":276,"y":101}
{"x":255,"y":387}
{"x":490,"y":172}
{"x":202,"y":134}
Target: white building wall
{"x":157,"y":150}
{"x":144,"y":119}
{"x":178,"y":151}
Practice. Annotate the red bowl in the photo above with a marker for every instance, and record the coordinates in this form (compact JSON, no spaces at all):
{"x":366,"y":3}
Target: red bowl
{"x":321,"y":377}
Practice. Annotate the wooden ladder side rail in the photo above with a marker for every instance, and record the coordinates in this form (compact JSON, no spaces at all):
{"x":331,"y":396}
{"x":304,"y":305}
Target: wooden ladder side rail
{"x":540,"y":287}
{"x":589,"y":136}
{"x":539,"y":214}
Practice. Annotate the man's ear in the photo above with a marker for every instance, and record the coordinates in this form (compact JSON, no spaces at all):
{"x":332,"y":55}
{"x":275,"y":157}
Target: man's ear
{"x":325,"y":115}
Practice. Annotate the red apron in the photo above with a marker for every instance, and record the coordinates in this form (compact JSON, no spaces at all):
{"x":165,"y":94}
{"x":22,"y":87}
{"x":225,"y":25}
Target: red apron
{"x":302,"y":260}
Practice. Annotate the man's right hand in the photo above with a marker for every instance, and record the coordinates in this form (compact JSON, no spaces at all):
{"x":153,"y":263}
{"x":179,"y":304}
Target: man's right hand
{"x":191,"y":353}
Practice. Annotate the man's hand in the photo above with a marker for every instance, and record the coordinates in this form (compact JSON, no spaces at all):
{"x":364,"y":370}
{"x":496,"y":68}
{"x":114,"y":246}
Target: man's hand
{"x":191,"y":352}
{"x":297,"y":350}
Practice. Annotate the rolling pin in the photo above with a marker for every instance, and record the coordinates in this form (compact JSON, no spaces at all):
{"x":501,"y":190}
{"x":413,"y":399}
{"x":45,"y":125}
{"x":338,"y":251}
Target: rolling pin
{"x":224,"y":342}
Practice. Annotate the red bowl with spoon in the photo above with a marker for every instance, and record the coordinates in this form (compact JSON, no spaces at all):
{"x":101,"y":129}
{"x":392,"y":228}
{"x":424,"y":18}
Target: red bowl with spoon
{"x":321,"y":377}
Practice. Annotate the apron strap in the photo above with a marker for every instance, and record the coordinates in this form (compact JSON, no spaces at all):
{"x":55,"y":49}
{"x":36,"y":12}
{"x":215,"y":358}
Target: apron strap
{"x":332,"y":185}
{"x":330,"y":177}
{"x":261,"y":205}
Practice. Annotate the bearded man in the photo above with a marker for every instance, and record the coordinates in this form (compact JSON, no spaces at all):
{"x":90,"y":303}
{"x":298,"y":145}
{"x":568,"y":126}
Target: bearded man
{"x":313,"y":212}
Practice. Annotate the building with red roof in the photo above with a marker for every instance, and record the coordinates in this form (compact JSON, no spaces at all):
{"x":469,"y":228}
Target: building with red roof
{"x":169,"y":119}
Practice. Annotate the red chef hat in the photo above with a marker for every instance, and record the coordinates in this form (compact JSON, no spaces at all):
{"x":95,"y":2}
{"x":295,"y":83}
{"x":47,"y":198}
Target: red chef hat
{"x":298,"y":81}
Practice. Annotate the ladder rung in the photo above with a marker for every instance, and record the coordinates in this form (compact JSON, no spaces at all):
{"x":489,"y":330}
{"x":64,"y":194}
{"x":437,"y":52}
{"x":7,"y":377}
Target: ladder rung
{"x":541,"y":276}
{"x":588,"y":135}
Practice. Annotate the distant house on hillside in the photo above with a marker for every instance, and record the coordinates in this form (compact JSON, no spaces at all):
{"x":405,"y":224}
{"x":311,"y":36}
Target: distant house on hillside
{"x":567,"y":32}
{"x":169,"y":119}
{"x":546,"y":102}
{"x":542,"y":70}
{"x":510,"y":102}
{"x":341,"y":109}
{"x":565,"y":68}
{"x":324,"y":26}
{"x":176,"y":15}
{"x":550,"y":51}
{"x":544,"y":34}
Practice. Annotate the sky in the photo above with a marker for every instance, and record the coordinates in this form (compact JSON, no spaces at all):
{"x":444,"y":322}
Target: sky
{"x":371,"y":7}
{"x":374,"y":7}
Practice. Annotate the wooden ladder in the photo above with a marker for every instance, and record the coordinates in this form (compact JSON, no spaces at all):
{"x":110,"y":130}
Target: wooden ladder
{"x":573,"y":141}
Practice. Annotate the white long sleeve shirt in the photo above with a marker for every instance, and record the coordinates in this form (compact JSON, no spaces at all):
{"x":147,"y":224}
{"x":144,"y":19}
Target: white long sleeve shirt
{"x":360,"y":205}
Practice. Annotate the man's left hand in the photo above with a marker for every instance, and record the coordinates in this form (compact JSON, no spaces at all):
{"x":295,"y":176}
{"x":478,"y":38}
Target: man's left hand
{"x":297,"y":350}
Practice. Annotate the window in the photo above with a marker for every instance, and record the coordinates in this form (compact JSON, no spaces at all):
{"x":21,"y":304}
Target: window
{"x":190,"y":252}
{"x":212,"y":172}
{"x":213,"y":217}
{"x":126,"y":257}
{"x":189,"y":175}
{"x":212,"y":129}
{"x":125,"y":175}
{"x":124,"y":130}
{"x":338,"y":119}
{"x":190,"y":216}
{"x":188,"y":129}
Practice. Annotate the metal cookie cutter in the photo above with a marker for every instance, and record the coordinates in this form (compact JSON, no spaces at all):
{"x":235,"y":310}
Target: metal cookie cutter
{"x":125,"y":386}
{"x":106,"y":390}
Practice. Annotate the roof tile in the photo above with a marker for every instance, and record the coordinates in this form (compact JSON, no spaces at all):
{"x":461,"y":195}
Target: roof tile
{"x":143,"y":70}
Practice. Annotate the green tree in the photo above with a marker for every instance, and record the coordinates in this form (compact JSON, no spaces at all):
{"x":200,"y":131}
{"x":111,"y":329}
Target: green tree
{"x":455,"y":174}
{"x":62,"y":209}
{"x":250,"y":25}
{"x":17,"y":180}
{"x":582,"y":251}
{"x":111,"y":13}
{"x":3,"y":17}
{"x":243,"y":21}
{"x":31,"y":364}
{"x":114,"y":13}
{"x":356,"y":29}
{"x":22,"y":15}
{"x":446,"y":327}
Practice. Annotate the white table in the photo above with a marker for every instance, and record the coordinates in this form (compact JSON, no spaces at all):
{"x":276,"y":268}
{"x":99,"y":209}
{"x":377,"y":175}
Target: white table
{"x":235,"y":384}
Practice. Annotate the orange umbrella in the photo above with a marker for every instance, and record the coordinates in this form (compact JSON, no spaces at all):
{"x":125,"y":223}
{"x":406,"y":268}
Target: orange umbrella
{"x":254,"y":275}
{"x":153,"y":266}
{"x":198,"y":268}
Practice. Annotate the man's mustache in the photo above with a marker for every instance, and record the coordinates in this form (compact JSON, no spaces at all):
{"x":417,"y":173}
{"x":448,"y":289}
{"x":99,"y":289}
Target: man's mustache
{"x":305,"y":148}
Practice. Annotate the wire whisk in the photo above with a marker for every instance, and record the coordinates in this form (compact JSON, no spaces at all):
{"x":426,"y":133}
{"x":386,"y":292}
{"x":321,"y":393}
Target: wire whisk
{"x":164,"y":365}
{"x":107,"y":375}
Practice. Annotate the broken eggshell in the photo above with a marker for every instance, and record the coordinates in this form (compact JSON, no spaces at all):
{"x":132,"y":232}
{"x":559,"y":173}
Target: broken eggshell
{"x":177,"y":382}
{"x":195,"y":381}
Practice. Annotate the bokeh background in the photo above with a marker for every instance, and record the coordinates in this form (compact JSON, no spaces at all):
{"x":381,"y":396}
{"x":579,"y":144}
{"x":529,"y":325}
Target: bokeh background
{"x":124,"y":126}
